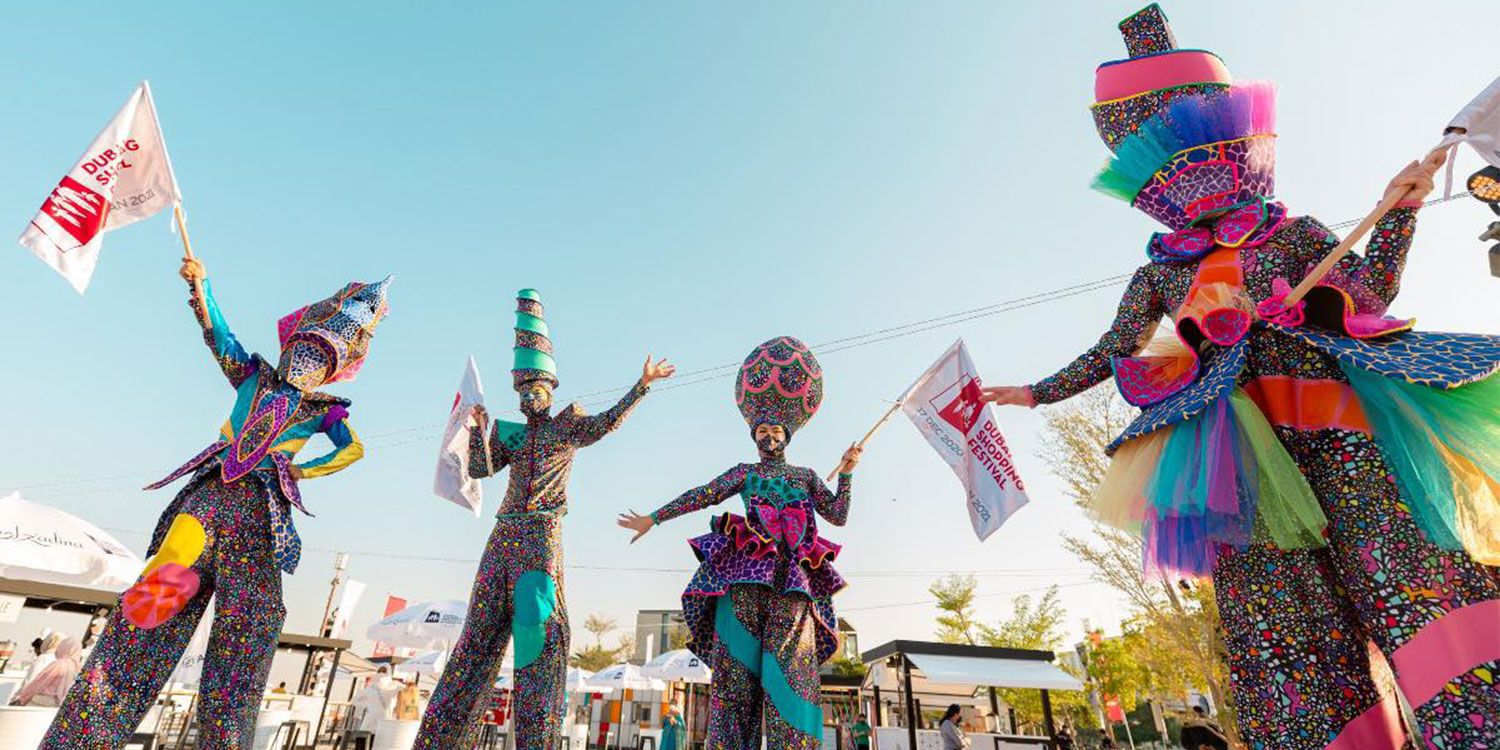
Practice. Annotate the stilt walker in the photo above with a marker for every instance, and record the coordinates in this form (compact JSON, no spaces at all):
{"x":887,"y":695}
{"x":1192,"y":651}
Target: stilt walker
{"x":760,"y":607}
{"x":518,"y":591}
{"x":1334,"y":471}
{"x":229,"y":530}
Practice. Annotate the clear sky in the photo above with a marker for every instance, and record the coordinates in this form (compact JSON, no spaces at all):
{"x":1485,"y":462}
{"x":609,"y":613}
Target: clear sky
{"x":685,"y":179}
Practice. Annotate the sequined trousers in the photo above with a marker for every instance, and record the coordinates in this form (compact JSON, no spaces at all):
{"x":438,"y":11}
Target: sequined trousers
{"x":128,"y":666}
{"x":765,"y":666}
{"x":518,"y":593}
{"x":1297,"y":622}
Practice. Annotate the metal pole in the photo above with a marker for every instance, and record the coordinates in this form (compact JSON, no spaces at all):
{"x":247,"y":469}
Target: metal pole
{"x":1128,"y":735}
{"x":995,"y":708}
{"x":1047,"y":717}
{"x":333,"y":673}
{"x":911,"y":705}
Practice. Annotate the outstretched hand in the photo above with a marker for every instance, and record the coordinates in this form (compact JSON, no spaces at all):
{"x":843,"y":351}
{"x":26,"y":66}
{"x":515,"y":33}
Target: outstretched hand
{"x":658,"y":370}
{"x":635,"y":522}
{"x":1007,"y":395}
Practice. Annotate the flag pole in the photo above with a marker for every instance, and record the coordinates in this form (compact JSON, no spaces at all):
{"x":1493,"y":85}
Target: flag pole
{"x":875,"y":428}
{"x":1386,"y":203}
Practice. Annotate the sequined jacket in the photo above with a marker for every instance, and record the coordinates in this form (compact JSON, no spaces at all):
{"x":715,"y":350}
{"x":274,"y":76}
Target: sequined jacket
{"x":540,"y":453}
{"x":271,"y":420}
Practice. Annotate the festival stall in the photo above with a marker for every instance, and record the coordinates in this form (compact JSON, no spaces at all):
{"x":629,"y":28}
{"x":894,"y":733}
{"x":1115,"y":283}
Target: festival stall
{"x":943,"y":673}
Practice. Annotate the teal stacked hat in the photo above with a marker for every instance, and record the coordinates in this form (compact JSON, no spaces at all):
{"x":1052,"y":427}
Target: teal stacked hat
{"x":533,"y":344}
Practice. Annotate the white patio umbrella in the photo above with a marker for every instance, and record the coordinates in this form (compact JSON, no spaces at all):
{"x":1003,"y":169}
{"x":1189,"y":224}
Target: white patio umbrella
{"x":425,"y":663}
{"x":624,"y":677}
{"x":681,"y":665}
{"x":426,"y":625}
{"x":578,"y":681}
{"x":41,"y":543}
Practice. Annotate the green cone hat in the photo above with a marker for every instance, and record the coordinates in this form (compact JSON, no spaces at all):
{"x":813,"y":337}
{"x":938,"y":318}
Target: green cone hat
{"x":533,"y":352}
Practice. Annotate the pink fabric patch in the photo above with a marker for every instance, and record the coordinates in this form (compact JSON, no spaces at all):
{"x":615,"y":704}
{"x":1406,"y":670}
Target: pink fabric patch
{"x":1379,"y":728}
{"x":1448,"y":647}
{"x":1139,"y":75}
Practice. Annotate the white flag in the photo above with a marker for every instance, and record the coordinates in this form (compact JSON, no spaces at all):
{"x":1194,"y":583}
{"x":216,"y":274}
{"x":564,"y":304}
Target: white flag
{"x":944,"y":404}
{"x":1481,"y":118}
{"x":123,"y":177}
{"x":348,"y":600}
{"x":453,"y":481}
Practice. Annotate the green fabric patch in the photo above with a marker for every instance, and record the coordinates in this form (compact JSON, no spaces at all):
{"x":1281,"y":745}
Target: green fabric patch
{"x":510,"y":434}
{"x":535,"y":598}
{"x":775,"y":490}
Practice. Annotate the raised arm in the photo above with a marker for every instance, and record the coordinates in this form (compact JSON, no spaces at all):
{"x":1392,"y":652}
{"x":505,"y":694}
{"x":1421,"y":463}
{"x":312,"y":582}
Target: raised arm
{"x":346,"y":446}
{"x":1140,"y":309}
{"x":587,"y":430}
{"x":832,"y":505}
{"x":1379,"y":271}
{"x":234,"y":361}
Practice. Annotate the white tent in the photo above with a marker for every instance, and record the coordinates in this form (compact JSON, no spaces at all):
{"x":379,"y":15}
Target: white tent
{"x":681,"y":665}
{"x":624,"y":677}
{"x":425,"y":625}
{"x":41,"y":543}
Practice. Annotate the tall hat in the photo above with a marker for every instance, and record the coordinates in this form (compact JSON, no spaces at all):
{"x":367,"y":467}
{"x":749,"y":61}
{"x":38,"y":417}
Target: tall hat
{"x":533,"y":345}
{"x":1189,"y":143}
{"x":333,"y":334}
{"x":779,"y":383}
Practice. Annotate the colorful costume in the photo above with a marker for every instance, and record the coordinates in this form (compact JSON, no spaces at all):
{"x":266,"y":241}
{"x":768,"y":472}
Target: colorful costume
{"x":518,"y":591}
{"x":1334,"y":471}
{"x":228,"y":532}
{"x":760,"y":607}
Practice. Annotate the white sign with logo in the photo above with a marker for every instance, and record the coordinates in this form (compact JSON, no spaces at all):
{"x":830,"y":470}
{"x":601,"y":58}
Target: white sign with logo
{"x":945,"y":406}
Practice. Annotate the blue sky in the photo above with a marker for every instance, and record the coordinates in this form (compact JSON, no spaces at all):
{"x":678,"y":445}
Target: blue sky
{"x":684,"y":179}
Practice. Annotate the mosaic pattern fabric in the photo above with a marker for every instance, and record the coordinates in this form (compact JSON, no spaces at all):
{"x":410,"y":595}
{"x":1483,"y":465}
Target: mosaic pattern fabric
{"x":779,"y":383}
{"x":765,"y":673}
{"x":1296,"y":621}
{"x":760,"y":606}
{"x":128,"y":666}
{"x":517,"y":591}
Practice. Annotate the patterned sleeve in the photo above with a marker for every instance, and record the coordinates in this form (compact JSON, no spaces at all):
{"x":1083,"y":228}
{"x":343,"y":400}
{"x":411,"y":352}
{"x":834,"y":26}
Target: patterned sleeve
{"x":722,"y":488}
{"x":236,"y":363}
{"x":1379,"y":271}
{"x":486,"y":461}
{"x":1140,"y":309}
{"x":588,"y":430}
{"x":833,"y":506}
{"x":347,"y":447}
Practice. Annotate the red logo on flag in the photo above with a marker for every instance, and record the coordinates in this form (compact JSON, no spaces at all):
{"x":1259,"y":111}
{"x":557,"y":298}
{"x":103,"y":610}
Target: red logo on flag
{"x":963,"y":410}
{"x":77,"y":209}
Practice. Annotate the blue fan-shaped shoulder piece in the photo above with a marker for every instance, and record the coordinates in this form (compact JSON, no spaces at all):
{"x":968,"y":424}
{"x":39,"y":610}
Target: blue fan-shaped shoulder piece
{"x":1437,"y":360}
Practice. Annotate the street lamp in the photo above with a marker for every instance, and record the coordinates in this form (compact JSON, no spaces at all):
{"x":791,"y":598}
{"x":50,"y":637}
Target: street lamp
{"x":1485,"y":186}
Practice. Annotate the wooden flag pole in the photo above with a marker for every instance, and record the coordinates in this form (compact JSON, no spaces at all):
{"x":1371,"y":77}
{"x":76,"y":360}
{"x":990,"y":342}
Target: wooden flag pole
{"x":187,"y":245}
{"x":881,"y":423}
{"x":1316,"y":275}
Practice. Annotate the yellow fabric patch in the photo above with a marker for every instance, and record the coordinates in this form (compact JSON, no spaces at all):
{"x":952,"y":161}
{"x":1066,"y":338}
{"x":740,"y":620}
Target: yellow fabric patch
{"x":184,"y":544}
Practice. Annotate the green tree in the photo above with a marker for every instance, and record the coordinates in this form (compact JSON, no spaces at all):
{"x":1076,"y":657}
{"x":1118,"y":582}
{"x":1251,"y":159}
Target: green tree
{"x":1181,"y":618}
{"x":955,"y":599}
{"x":597,"y":656}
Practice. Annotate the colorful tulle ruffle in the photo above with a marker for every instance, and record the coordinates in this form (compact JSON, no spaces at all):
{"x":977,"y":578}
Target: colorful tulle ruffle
{"x":1444,"y":447}
{"x":1220,"y":479}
